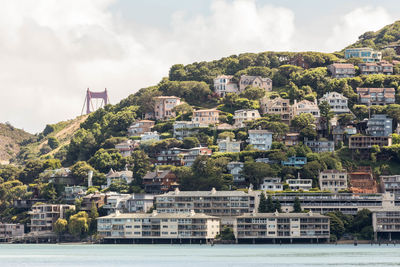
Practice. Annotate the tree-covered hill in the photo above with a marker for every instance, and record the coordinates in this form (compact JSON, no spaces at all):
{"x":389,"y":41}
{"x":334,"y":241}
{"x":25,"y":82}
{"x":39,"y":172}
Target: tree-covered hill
{"x":11,"y":140}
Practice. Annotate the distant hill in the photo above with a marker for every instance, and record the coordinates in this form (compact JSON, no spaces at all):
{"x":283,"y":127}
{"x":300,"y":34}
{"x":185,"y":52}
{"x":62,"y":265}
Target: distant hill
{"x":387,"y":35}
{"x":11,"y":140}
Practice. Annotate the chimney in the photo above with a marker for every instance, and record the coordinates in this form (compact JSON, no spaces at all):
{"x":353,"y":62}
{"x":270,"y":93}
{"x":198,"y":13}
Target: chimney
{"x":90,"y":178}
{"x":177,"y":191}
{"x":213,"y":191}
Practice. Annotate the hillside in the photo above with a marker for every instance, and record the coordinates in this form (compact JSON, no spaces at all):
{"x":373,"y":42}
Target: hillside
{"x":378,"y":40}
{"x":11,"y":140}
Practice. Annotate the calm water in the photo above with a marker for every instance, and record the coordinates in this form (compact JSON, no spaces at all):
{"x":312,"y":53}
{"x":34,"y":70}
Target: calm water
{"x":198,"y":255}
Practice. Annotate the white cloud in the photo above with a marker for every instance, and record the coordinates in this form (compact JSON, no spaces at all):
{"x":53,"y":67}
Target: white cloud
{"x":355,"y":23}
{"x":51,"y":51}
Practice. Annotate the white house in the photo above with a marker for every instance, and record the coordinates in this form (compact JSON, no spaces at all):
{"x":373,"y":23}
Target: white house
{"x":235,"y":169}
{"x":260,"y":139}
{"x":228,"y":145}
{"x":272,"y":184}
{"x":337,"y":101}
{"x":243,"y":115}
{"x":150,"y":136}
{"x":224,"y":84}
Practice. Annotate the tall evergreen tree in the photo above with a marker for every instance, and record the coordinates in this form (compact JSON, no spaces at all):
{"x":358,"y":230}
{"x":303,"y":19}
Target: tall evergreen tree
{"x":262,"y":207}
{"x":277,"y":206}
{"x":270,"y":204}
{"x":296,"y":205}
{"x":93,"y":215}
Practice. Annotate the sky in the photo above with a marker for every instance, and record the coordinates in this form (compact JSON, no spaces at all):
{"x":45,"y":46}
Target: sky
{"x":52,"y":51}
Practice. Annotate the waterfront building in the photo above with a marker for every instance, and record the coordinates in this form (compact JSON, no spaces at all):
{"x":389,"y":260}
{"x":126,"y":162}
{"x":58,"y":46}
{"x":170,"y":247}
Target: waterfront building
{"x":342,"y":70}
{"x":366,"y":54}
{"x":259,"y":227}
{"x":255,"y":81}
{"x":333,"y":180}
{"x":243,"y":115}
{"x":386,"y":224}
{"x":43,"y":217}
{"x":8,"y":231}
{"x":380,"y":125}
{"x":224,"y":84}
{"x":260,"y":139}
{"x":228,"y":145}
{"x":337,"y":102}
{"x":159,"y":227}
{"x":272,"y":184}
{"x":140,"y":127}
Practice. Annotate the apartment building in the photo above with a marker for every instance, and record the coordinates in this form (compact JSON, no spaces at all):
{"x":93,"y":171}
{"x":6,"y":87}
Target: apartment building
{"x":163,"y":106}
{"x":260,"y":139}
{"x":73,"y":192}
{"x":171,"y":156}
{"x":228,"y":145}
{"x":347,"y":203}
{"x":255,"y":81}
{"x":184,"y":129}
{"x":8,"y":231}
{"x":342,"y":70}
{"x":119,"y":176}
{"x":43,"y":216}
{"x":366,"y":54}
{"x":277,"y":106}
{"x":307,"y":107}
{"x":294,"y":161}
{"x":386,"y":224}
{"x":224,"y":204}
{"x":390,"y":183}
{"x":140,"y":127}
{"x":332,"y":180}
{"x":139,"y":203}
{"x":206,"y":116}
{"x":320,"y":145}
{"x":380,"y":125}
{"x":272,"y":184}
{"x":366,"y":142}
{"x":115,"y":202}
{"x":260,"y":227}
{"x":299,"y":184}
{"x":292,"y":139}
{"x":243,"y":115}
{"x":150,"y":137}
{"x":376,"y":96}
{"x":376,"y":68}
{"x":224,"y":84}
{"x":337,"y":102}
{"x":159,"y":181}
{"x":191,"y":154}
{"x":155,"y":227}
{"x":235,"y":168}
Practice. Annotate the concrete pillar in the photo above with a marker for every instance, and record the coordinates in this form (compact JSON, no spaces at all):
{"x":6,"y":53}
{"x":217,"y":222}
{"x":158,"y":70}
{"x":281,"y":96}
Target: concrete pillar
{"x":254,"y":241}
{"x":390,"y":236}
{"x":376,"y":236}
{"x":291,"y":240}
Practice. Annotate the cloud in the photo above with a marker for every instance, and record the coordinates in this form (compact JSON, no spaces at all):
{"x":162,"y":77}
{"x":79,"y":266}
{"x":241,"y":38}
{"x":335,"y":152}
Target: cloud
{"x":52,"y":51}
{"x":355,"y":23}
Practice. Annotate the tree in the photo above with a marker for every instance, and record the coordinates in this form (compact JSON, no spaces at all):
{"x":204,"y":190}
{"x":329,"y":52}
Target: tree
{"x":60,"y":227}
{"x":253,"y":93}
{"x":93,"y":215}
{"x":270,"y":204}
{"x":262,"y":207}
{"x":255,"y":172}
{"x":297,"y":205}
{"x":78,"y":224}
{"x":302,"y":121}
{"x":53,"y":142}
{"x":190,"y":142}
{"x":226,"y":234}
{"x":141,"y":165}
{"x":226,"y":134}
{"x":336,"y":226}
{"x":326,"y":115}
{"x":277,"y":206}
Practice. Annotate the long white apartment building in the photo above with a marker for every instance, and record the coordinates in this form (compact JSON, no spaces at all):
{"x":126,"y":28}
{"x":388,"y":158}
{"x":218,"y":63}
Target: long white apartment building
{"x":158,"y":227}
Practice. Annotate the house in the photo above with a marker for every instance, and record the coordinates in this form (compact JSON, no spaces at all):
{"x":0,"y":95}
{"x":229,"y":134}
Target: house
{"x":320,"y":145}
{"x":159,"y":181}
{"x":99,"y":199}
{"x":43,"y":216}
{"x":73,"y":192}
{"x":376,"y":96}
{"x":294,"y":161}
{"x":235,"y":168}
{"x":206,"y":116}
{"x":362,"y":181}
{"x":307,"y":107}
{"x":172,"y":156}
{"x":184,"y":129}
{"x":366,"y":142}
{"x":386,"y":223}
{"x":61,"y":176}
{"x":376,"y":68}
{"x":118,"y":177}
{"x":299,"y":184}
{"x":272,"y":184}
{"x":191,"y":154}
{"x":150,"y":136}
{"x":255,"y":81}
{"x":340,"y":133}
{"x":282,"y":226}
{"x":277,"y":106}
{"x":163,"y":106}
{"x":175,"y":228}
{"x":260,"y":139}
{"x":333,"y":180}
{"x":125,"y":148}
{"x":115,"y":202}
{"x":243,"y":115}
{"x":366,"y":54}
{"x":336,"y":101}
{"x":224,"y":84}
{"x":380,"y":125}
{"x":292,"y":139}
{"x":299,"y":61}
{"x":9,"y":231}
{"x":139,"y":203}
{"x":140,"y":127}
{"x":228,"y":145}
{"x":390,"y":183}
{"x":342,"y":70}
